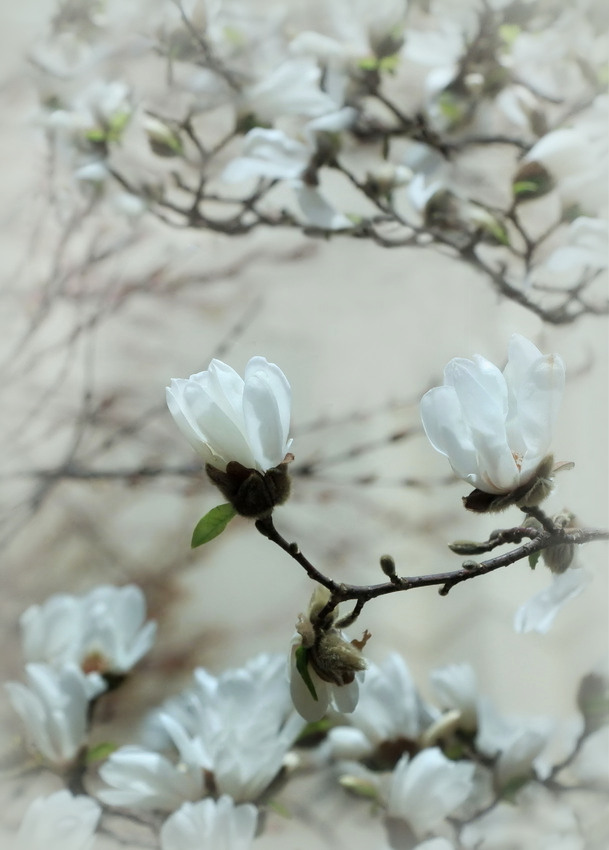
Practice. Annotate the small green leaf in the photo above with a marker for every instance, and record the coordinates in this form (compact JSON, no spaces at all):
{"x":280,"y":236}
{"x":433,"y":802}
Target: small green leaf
{"x":212,"y":524}
{"x":512,"y":787}
{"x":100,"y":751}
{"x":360,"y":787}
{"x":533,"y":559}
{"x":302,"y":665}
{"x":279,"y":809}
{"x":315,"y":729}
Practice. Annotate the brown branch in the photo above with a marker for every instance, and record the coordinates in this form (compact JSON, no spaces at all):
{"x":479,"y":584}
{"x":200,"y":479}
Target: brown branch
{"x":342,"y":592}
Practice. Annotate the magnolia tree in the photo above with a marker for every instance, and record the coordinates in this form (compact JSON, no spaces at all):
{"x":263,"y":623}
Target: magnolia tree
{"x":475,"y":129}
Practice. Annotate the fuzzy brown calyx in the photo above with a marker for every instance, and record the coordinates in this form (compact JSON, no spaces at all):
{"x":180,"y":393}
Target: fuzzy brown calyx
{"x":252,"y":493}
{"x":529,"y":494}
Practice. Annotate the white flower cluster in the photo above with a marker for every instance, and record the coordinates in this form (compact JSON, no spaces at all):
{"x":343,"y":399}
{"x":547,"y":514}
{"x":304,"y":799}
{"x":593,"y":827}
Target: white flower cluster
{"x":74,"y":646}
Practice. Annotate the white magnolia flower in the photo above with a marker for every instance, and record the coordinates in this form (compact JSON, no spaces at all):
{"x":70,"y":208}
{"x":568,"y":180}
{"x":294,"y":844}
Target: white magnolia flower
{"x":293,"y":88}
{"x":226,"y":418}
{"x":237,"y":727}
{"x":214,"y":824}
{"x":512,"y":744}
{"x":455,"y":687}
{"x":426,"y":789}
{"x":538,"y":613}
{"x":495,"y":428}
{"x":103,"y":630}
{"x":268,"y":153}
{"x":317,"y":210}
{"x":54,"y":708}
{"x":140,"y":777}
{"x":586,"y":246}
{"x":60,"y":821}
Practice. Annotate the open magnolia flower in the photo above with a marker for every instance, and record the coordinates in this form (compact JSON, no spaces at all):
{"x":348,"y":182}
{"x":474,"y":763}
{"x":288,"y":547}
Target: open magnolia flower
{"x":239,"y":426}
{"x":495,"y":427}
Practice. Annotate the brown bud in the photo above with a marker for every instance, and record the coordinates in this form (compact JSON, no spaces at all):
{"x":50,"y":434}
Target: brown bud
{"x":252,"y":493}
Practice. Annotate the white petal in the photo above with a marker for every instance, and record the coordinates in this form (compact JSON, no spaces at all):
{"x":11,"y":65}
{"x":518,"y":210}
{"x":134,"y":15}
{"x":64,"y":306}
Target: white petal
{"x":539,"y":612}
{"x":318,"y":211}
{"x":60,"y":821}
{"x":448,"y":432}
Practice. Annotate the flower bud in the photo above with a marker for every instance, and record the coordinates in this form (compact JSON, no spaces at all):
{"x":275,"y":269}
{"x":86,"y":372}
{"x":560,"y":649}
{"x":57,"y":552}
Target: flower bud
{"x":558,"y":558}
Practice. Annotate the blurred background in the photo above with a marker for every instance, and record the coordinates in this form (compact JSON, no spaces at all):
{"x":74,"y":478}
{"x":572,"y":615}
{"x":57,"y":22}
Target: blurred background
{"x":98,"y":486}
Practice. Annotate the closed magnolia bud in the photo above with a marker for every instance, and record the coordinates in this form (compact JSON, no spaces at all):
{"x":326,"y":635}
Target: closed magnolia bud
{"x":558,"y":558}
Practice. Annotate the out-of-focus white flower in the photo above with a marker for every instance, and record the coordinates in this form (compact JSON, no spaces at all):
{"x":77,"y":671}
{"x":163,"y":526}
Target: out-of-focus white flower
{"x":495,"y":428}
{"x":390,"y":707}
{"x":268,"y":153}
{"x":538,"y":613}
{"x":317,"y":210}
{"x":226,"y":418}
{"x":103,"y":630}
{"x":427,"y":788}
{"x":455,"y":687}
{"x":237,"y":728}
{"x":60,"y":821}
{"x":54,"y":708}
{"x":140,"y":777}
{"x":217,"y":824}
{"x":512,"y":744}
{"x":586,"y":247}
{"x":293,"y":88}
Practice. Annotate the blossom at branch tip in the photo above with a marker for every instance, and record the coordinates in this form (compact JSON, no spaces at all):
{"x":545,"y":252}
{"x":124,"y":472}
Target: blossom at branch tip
{"x":495,"y":427}
{"x":426,"y":789}
{"x":104,"y":630}
{"x":217,"y":824}
{"x":324,"y":665}
{"x":54,"y":708}
{"x":60,"y":821}
{"x":228,"y":418}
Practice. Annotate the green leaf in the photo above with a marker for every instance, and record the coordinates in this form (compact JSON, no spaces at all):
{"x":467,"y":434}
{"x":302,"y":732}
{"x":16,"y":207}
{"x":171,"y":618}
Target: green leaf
{"x":302,"y":665}
{"x":212,"y":524}
{"x":279,"y":809}
{"x":512,"y":787}
{"x":533,"y":559}
{"x":100,"y":751}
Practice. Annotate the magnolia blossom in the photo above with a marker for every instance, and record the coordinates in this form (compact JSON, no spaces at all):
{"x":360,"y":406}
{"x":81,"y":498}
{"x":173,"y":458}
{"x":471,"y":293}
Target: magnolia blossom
{"x":54,"y":708}
{"x":103,"y":630}
{"x":60,"y":821}
{"x":495,"y":427}
{"x":328,"y":695}
{"x":427,"y":788}
{"x":455,"y":687}
{"x":227,"y":418}
{"x":237,"y":728}
{"x":217,"y":824}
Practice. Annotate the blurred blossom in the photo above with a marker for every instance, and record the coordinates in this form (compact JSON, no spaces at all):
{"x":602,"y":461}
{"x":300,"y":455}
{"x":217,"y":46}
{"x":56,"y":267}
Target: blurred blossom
{"x":586,"y":247}
{"x":427,"y":788}
{"x":104,"y":630}
{"x":538,"y":613}
{"x":54,"y":708}
{"x":293,"y":88}
{"x":268,"y":153}
{"x":390,"y":707}
{"x":236,"y":728}
{"x":455,"y":687}
{"x":60,"y":821}
{"x":227,"y":418}
{"x":217,"y":824}
{"x":495,"y":427}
